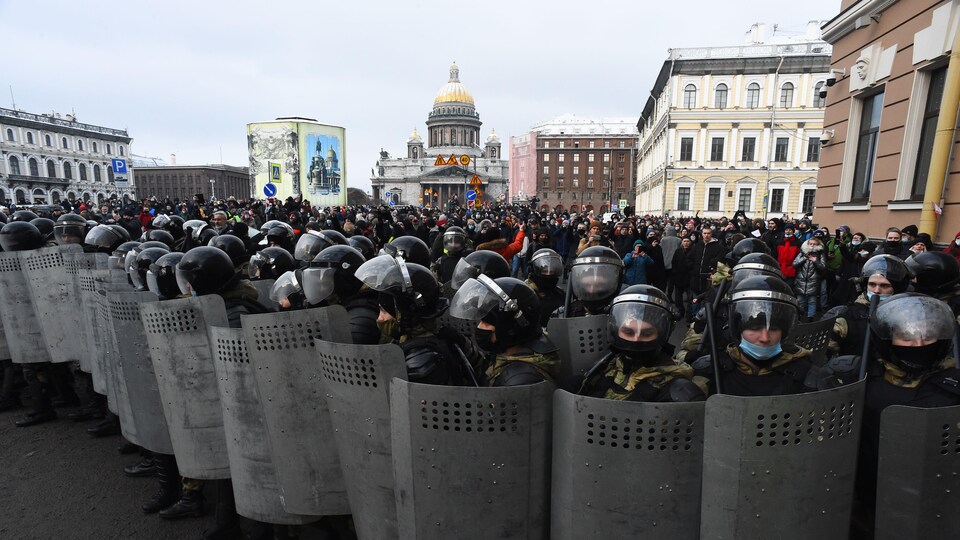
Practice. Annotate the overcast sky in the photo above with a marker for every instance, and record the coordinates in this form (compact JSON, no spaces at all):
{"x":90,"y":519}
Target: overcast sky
{"x":186,"y":77}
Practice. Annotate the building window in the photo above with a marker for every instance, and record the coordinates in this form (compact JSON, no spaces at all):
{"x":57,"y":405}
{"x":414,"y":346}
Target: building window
{"x":623,"y":144}
{"x":808,"y":198}
{"x":686,"y":149}
{"x":561,"y":157}
{"x":82,"y":172}
{"x":683,"y":198}
{"x":817,"y":100}
{"x":67,"y":171}
{"x":51,"y":169}
{"x":34,"y":167}
{"x":576,"y":182}
{"x":546,"y":158}
{"x":591,"y":145}
{"x":813,"y":149}
{"x":546,"y":144}
{"x":546,"y":182}
{"x":713,"y":199}
{"x":14,"y":165}
{"x":29,"y":137}
{"x":743,"y":202}
{"x":10,"y":135}
{"x":716,"y":149}
{"x":931,"y":111}
{"x":121,"y":152}
{"x":590,"y":182}
{"x":576,"y":169}
{"x":560,"y":169}
{"x":576,"y":158}
{"x":621,"y":158}
{"x":720,"y":97}
{"x":94,"y":147}
{"x":47,"y":141}
{"x":867,"y":138}
{"x":689,"y":96}
{"x":606,"y":157}
{"x":96,"y":172}
{"x":776,"y":200}
{"x":780,"y":149}
{"x":561,"y":144}
{"x":560,"y":183}
{"x":606,"y":144}
{"x":590,"y":170}
{"x":786,"y":95}
{"x":80,"y":145}
{"x":753,"y":96}
{"x":590,"y":158}
{"x":749,"y":152}
{"x":109,"y":150}
{"x":64,"y":143}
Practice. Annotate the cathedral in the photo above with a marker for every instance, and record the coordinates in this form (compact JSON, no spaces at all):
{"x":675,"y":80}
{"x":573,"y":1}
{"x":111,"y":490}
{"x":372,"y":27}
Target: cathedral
{"x":451,"y":163}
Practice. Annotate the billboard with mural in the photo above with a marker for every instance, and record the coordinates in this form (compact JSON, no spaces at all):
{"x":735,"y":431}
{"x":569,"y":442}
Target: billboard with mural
{"x":300,"y":158}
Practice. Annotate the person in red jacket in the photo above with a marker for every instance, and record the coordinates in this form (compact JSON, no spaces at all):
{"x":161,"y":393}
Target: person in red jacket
{"x":503,"y":246}
{"x":786,"y":251}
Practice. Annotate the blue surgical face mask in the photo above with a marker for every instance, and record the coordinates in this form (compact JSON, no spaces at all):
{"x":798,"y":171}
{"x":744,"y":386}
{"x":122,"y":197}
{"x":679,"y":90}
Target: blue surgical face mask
{"x":760,"y":352}
{"x":882,"y":296}
{"x":855,"y":242}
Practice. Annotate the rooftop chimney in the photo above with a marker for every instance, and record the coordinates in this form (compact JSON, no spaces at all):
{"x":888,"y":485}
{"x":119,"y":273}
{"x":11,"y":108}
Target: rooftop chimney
{"x":173,"y":159}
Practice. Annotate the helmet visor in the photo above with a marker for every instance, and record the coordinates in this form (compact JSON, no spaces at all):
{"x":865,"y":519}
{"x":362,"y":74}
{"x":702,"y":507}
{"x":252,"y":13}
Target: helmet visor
{"x":130,"y":262}
{"x":639,"y":326}
{"x":384,"y":272}
{"x":183,"y":282}
{"x":744,"y":271}
{"x":548,"y":266}
{"x":153,"y":285}
{"x":910,"y":318}
{"x":473,"y":301}
{"x":285,"y":286}
{"x":257,"y":262}
{"x":454,"y":243}
{"x":592,"y":282}
{"x":762,"y":314}
{"x":309,"y":246}
{"x":318,"y":284}
{"x":138,"y":280}
{"x":462,"y":272}
{"x":69,"y":234}
{"x":102,"y":236}
{"x":161,"y":221}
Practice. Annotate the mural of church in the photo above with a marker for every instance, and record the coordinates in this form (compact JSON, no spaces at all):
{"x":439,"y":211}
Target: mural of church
{"x":450,"y":163}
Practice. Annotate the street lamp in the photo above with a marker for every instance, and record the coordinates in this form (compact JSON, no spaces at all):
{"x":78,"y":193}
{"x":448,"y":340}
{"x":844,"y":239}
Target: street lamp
{"x":213,"y":193}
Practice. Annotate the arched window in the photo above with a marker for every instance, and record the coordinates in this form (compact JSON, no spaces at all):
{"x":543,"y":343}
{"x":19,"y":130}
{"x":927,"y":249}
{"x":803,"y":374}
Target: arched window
{"x":34,"y":167}
{"x":9,"y":134}
{"x":109,"y":150}
{"x":817,"y":100}
{"x":416,"y":153}
{"x":55,"y":196}
{"x":96,"y":173}
{"x":80,"y":145}
{"x":39,"y":196}
{"x":121,"y":151}
{"x":786,"y":95}
{"x":720,"y":97}
{"x":20,"y":196}
{"x":67,"y":171}
{"x":47,"y":141}
{"x":51,"y":169}
{"x":29,"y":137}
{"x":753,"y":96}
{"x":64,"y":143}
{"x":689,"y":96}
{"x":14,"y":165}
{"x":94,"y":143}
{"x":110,"y":174}
{"x":82,"y":169}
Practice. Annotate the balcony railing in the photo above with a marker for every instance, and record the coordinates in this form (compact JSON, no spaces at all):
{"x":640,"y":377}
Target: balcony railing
{"x":38,"y":179}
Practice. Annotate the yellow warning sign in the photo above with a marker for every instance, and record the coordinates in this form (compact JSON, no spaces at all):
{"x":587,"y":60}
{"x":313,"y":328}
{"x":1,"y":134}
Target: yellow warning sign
{"x":452,"y":160}
{"x":439,"y":162}
{"x":464,"y":160}
{"x":475,"y":181}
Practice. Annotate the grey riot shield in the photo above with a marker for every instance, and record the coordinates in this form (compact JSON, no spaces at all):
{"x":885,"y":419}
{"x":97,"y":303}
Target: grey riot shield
{"x":814,"y":336}
{"x":177,"y":333}
{"x":356,"y":384}
{"x":20,"y":323}
{"x":252,"y":471}
{"x":581,"y":342}
{"x":118,"y":401}
{"x":471,"y":462}
{"x":918,"y":480}
{"x":77,"y":264}
{"x":45,"y":270}
{"x":283,"y":354}
{"x":89,"y":305}
{"x":4,"y":348}
{"x":780,"y":466}
{"x":625,"y":469}
{"x":264,"y":286}
{"x":136,"y":369}
{"x":461,"y":326}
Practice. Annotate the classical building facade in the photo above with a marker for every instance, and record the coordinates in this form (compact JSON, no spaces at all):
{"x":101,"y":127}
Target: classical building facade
{"x":184,"y":181}
{"x":453,"y":131}
{"x":582,"y":164}
{"x":45,"y":158}
{"x":735,"y":128}
{"x":890,"y":67}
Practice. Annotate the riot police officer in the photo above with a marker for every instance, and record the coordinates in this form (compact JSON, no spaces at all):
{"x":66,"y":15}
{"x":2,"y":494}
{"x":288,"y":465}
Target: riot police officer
{"x":595,"y":279}
{"x":488,"y":263}
{"x":408,"y":248}
{"x":507,"y":313}
{"x":454,"y":243}
{"x":270,"y":263}
{"x":235,"y":249}
{"x":545,"y":269}
{"x":641,"y":367}
{"x":364,"y":245}
{"x":331,"y":280}
{"x":141,"y":264}
{"x":70,"y":229}
{"x":312,"y":243}
{"x":158,"y":235}
{"x":938,"y":274}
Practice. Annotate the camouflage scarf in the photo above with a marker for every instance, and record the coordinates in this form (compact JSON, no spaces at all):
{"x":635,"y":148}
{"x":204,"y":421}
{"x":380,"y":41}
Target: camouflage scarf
{"x":747,"y":367}
{"x":898,"y":377}
{"x":624,"y":383}
{"x":546,"y":364}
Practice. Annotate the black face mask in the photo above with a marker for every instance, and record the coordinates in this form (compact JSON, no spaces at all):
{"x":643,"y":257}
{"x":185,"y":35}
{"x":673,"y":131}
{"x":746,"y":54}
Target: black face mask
{"x":647,"y":358}
{"x":545,"y":283}
{"x":892,"y":244}
{"x":485,"y":340}
{"x":919,"y":359}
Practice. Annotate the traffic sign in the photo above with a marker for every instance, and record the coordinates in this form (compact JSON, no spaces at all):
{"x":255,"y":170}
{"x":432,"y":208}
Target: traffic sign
{"x":614,"y":208}
{"x":471,"y":195}
{"x":392,"y":202}
{"x":439,"y":162}
{"x":119,"y":166}
{"x":270,"y":190}
{"x":452,"y":160}
{"x":275,"y":172}
{"x":464,"y":160}
{"x":475,"y":181}
{"x":623,"y":203}
{"x":388,"y":195}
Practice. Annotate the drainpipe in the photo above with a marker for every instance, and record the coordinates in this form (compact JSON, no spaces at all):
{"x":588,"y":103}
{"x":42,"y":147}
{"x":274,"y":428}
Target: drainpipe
{"x":942,"y":143}
{"x":773,"y":137}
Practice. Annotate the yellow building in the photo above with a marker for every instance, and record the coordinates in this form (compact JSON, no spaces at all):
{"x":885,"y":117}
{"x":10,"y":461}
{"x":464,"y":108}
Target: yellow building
{"x":735,"y":128}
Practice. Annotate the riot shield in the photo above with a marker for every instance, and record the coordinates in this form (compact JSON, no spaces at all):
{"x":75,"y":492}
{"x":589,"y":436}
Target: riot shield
{"x":252,"y":471}
{"x":814,"y":336}
{"x":625,"y":469}
{"x":356,"y":384}
{"x":780,"y":466}
{"x":45,"y":270}
{"x":20,"y":324}
{"x":471,"y":462}
{"x":136,"y":370}
{"x":118,"y":401}
{"x":77,"y":263}
{"x":4,"y":348}
{"x":463,"y":327}
{"x":581,"y":342}
{"x":93,"y":330}
{"x":264,"y":287}
{"x":283,"y":354}
{"x":918,"y":479}
{"x":177,"y":333}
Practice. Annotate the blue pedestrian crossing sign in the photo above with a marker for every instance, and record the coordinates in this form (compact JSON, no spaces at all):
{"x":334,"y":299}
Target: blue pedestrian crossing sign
{"x":392,"y":202}
{"x":275,"y":173}
{"x":471,"y":195}
{"x":119,"y":166}
{"x":270,"y":190}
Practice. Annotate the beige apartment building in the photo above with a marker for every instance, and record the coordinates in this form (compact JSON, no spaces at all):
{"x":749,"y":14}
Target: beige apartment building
{"x":889,"y":78}
{"x":735,"y":128}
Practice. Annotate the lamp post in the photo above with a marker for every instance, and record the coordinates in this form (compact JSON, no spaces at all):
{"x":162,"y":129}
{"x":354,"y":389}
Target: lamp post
{"x":213,"y":193}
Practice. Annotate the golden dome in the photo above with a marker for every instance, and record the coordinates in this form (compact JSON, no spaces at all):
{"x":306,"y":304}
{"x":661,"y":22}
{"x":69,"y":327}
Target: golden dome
{"x":414,"y":137}
{"x":453,"y":90}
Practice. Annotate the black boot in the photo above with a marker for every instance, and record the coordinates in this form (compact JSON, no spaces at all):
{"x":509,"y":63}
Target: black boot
{"x":9,"y":396}
{"x":226,"y":526}
{"x":61,"y":379}
{"x":145,"y":467}
{"x":35,"y":377}
{"x":190,"y":505}
{"x":34,"y":418}
{"x":169,"y":492}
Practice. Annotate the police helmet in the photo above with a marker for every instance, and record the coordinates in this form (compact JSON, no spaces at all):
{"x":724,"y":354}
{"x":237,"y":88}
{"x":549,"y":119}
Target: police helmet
{"x":20,"y":236}
{"x":506,"y":303}
{"x":641,"y":320}
{"x":23,"y":215}
{"x":935,"y":271}
{"x":596,"y":276}
{"x":454,"y":241}
{"x":364,"y":245}
{"x":406,"y":289}
{"x":755,"y":264}
{"x":762,"y":302}
{"x":483,"y":262}
{"x":313,"y":242}
{"x":104,"y":239}
{"x":70,"y":229}
{"x":890,"y":267}
{"x":45,"y":226}
{"x":410,"y":249}
{"x":204,"y":270}
{"x":232,"y":246}
{"x":141,"y":264}
{"x":913,"y":331}
{"x":270,"y":263}
{"x":158,"y":235}
{"x":162,"y":276}
{"x":747,"y":246}
{"x":333,"y":271}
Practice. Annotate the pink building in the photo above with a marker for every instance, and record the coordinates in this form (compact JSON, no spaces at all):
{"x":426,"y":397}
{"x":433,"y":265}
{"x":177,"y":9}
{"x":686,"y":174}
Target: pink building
{"x":523,"y":167}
